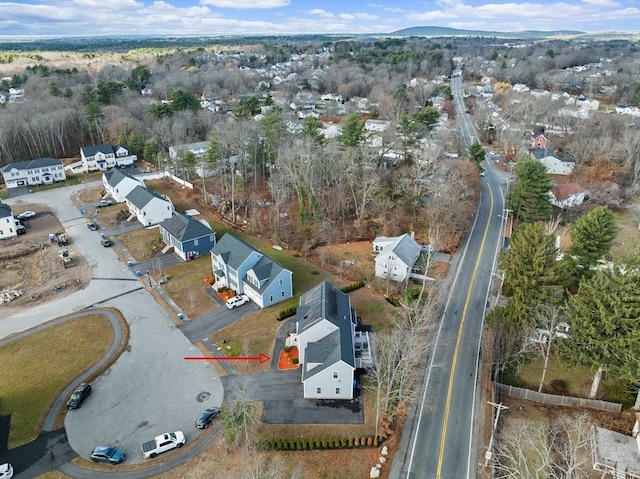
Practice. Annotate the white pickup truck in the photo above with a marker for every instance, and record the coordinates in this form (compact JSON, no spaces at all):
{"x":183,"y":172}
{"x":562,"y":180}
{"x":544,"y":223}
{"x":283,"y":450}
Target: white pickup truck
{"x":163,"y":443}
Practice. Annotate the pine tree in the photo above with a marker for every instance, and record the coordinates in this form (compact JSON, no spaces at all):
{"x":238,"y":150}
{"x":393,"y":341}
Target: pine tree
{"x":352,"y":131}
{"x":530,"y":197}
{"x":532,"y":275}
{"x":591,"y":238}
{"x":605,"y":324}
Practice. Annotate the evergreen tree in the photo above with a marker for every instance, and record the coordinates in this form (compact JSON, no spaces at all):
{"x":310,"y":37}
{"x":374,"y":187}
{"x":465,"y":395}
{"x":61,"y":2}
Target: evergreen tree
{"x":428,"y":117}
{"x":605,"y":324}
{"x":183,"y":100}
{"x":530,"y":197}
{"x":312,"y":128}
{"x":532,"y":274}
{"x":352,"y":131}
{"x":139,"y":77}
{"x":591,"y":238}
{"x":477,"y":154}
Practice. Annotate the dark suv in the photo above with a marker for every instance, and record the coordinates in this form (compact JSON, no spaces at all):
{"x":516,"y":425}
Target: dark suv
{"x":80,"y":394}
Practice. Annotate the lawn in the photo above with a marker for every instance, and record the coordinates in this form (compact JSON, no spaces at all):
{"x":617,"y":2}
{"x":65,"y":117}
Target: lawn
{"x":38,"y":367}
{"x":575,"y":381}
{"x":141,"y":243}
{"x":628,"y":236}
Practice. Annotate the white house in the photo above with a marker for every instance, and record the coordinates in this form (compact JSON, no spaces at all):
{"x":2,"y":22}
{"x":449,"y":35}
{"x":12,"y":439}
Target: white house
{"x":325,"y":331}
{"x":105,"y":157}
{"x":567,"y":195}
{"x":42,"y":171}
{"x":246,"y":270}
{"x":396,"y":256}
{"x":118,"y":184}
{"x":148,"y":207}
{"x":198,"y":149}
{"x":553,"y":164}
{"x":378,"y":126}
{"x":7,"y":222}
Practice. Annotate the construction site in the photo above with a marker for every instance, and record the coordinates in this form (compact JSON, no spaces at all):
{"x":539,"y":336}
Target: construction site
{"x":39,"y":264}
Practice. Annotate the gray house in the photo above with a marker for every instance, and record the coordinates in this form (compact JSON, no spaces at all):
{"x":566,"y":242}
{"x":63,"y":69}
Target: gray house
{"x":189,"y":237}
{"x":396,"y":256}
{"x":246,"y":270}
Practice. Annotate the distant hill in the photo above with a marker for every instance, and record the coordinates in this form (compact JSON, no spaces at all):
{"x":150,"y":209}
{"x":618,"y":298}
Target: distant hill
{"x":455,"y":32}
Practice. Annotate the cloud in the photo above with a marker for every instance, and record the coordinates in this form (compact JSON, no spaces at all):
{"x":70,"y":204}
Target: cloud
{"x":245,"y":4}
{"x":320,"y":12}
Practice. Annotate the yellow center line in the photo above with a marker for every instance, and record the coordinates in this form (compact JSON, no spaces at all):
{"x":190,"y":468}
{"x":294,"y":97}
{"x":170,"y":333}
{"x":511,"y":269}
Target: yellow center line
{"x":443,"y":434}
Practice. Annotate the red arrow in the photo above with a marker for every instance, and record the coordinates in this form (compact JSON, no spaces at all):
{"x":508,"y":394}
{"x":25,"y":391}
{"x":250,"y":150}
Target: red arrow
{"x":262,"y":358}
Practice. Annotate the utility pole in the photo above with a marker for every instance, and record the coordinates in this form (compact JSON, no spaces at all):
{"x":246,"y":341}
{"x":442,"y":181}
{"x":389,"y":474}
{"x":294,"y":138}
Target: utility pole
{"x":489,"y":454}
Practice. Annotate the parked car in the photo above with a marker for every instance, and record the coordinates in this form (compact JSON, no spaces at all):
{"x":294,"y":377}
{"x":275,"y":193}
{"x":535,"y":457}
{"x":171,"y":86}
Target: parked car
{"x":104,"y":203}
{"x":92,"y":226}
{"x":105,"y":242}
{"x":80,"y":394}
{"x":27,"y":215}
{"x":6,"y":471}
{"x":107,"y":454}
{"x":236,"y":301}
{"x":163,"y":443}
{"x":207,"y":417}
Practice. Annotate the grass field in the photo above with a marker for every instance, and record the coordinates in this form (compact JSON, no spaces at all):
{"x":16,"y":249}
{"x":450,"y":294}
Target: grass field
{"x":37,"y":368}
{"x":575,"y":381}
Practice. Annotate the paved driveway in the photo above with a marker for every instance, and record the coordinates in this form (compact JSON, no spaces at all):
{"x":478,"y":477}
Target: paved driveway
{"x":150,"y":389}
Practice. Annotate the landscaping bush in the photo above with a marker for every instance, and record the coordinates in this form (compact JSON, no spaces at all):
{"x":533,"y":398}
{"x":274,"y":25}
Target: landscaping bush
{"x":393,"y":300}
{"x":352,"y":286}
{"x":375,"y":441}
{"x":350,"y":442}
{"x":286,"y":349}
{"x":287,"y":313}
{"x":295,"y":360}
{"x":356,"y":442}
{"x":318,"y":443}
{"x":369,"y":441}
{"x":324,"y":442}
{"x":343,"y":442}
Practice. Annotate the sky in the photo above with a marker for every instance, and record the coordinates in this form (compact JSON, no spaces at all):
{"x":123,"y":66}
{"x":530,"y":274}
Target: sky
{"x":280,"y":17}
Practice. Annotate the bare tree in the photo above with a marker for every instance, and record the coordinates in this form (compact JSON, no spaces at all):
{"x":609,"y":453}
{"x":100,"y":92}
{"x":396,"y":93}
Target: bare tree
{"x":547,"y":326}
{"x":559,"y":449}
{"x":627,"y":153}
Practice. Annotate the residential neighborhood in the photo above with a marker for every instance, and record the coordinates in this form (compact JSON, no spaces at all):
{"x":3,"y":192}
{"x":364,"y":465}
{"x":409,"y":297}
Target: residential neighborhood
{"x":327,"y":244}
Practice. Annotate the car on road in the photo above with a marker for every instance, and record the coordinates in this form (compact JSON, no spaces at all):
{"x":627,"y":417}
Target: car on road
{"x":105,"y":242}
{"x":27,"y":215}
{"x":107,"y":454}
{"x":237,"y":301}
{"x":79,"y":395}
{"x":92,"y":226}
{"x":207,"y":417}
{"x":6,"y":471}
{"x":491,"y":152}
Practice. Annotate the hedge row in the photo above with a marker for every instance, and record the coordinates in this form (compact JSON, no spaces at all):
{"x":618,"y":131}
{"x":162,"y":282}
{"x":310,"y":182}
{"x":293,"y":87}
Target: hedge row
{"x":287,"y":313}
{"x":289,"y":444}
{"x":353,"y":286}
{"x":393,"y":300}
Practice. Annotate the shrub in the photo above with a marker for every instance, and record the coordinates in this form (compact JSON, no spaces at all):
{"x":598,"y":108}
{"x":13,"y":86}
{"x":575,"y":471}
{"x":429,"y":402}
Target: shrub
{"x":295,"y":360}
{"x":393,"y":300}
{"x":292,"y":444}
{"x":363,"y":441}
{"x":356,"y":442}
{"x":318,"y":443}
{"x":324,"y":442}
{"x":350,"y":442}
{"x":286,"y":349}
{"x":287,"y":313}
{"x":343,"y":442}
{"x":279,"y":444}
{"x":375,"y":441}
{"x":352,"y":286}
{"x":369,"y":441}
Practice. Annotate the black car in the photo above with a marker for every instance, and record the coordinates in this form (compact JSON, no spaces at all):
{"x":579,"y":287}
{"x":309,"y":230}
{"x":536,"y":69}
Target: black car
{"x":207,"y":417}
{"x":80,"y":394}
{"x":107,"y":454}
{"x":92,"y":226}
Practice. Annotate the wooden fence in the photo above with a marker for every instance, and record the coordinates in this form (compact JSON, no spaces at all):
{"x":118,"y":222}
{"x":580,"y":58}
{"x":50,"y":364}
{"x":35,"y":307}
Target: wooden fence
{"x":557,"y":400}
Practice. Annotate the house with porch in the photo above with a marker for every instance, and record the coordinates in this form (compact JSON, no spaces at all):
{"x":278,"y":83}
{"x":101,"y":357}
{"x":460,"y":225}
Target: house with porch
{"x":246,"y":270}
{"x":105,"y":157}
{"x":41,"y":171}
{"x":188,"y":237}
{"x":396,"y":255}
{"x":119,"y":184}
{"x":148,"y":207}
{"x":615,"y":454}
{"x":330,"y":348}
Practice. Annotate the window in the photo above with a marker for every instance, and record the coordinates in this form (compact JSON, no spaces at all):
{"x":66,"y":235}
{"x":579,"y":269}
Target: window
{"x":337,"y":391}
{"x":335,"y":375}
{"x":195,"y":242}
{"x":318,"y":390}
{"x":280,"y":281}
{"x":282,"y":293}
{"x":271,"y":299}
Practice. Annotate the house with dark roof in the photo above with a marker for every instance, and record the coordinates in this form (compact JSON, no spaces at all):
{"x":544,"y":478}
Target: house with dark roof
{"x":148,"y":207}
{"x":246,"y":270}
{"x":189,"y":237}
{"x":539,"y":140}
{"x":325,"y":330}
{"x":396,"y":256}
{"x":567,"y":195}
{"x":104,"y":157}
{"x":119,"y":184}
{"x":555,"y":165}
{"x":42,"y":171}
{"x":7,"y":222}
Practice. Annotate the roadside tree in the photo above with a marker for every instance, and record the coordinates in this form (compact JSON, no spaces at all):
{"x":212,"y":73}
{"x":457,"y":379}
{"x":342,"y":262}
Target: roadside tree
{"x":530,"y":197}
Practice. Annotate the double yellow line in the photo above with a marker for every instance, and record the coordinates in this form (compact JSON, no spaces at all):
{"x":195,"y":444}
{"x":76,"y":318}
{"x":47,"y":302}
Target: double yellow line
{"x":443,"y":434}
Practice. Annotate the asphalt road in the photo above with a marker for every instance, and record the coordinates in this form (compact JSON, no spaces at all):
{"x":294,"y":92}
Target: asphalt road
{"x":150,"y":389}
{"x":443,"y":439}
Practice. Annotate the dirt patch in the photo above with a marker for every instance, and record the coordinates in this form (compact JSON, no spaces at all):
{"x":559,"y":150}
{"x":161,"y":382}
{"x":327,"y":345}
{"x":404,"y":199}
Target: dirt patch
{"x":32,"y":265}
